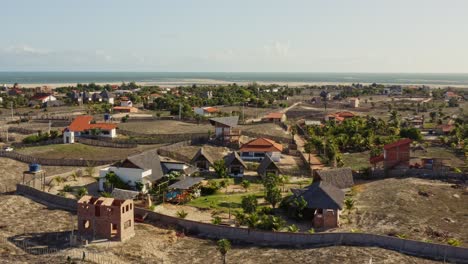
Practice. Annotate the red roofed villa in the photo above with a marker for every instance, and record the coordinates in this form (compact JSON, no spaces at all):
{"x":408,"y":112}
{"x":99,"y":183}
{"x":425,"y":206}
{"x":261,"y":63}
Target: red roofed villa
{"x":205,"y":111}
{"x":84,"y":126}
{"x":274,"y":117}
{"x":339,"y":116}
{"x":394,"y":154}
{"x":255,"y":150}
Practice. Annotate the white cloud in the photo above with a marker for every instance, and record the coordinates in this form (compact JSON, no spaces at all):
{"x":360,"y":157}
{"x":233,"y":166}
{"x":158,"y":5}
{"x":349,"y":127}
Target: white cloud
{"x":277,"y":49}
{"x":25,"y":49}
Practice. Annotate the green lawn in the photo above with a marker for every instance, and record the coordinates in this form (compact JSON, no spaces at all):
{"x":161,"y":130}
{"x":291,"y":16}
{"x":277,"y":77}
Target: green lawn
{"x":356,"y":161}
{"x":221,"y":201}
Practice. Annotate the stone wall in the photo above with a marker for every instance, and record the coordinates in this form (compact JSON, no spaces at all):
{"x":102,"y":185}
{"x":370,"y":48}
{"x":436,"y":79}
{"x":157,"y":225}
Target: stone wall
{"x":47,"y":198}
{"x":410,"y":247}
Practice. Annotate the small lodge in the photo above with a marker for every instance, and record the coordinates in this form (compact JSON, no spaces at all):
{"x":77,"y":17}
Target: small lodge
{"x":234,"y":164}
{"x":276,"y":117}
{"x":202,"y":160}
{"x":267,"y":166}
{"x":184,"y":189}
{"x":444,"y":129}
{"x":258,"y":149}
{"x":324,"y":203}
{"x":341,"y":178}
{"x":85,"y":126}
{"x":394,"y":154}
{"x":226,"y":130}
{"x":105,"y":218}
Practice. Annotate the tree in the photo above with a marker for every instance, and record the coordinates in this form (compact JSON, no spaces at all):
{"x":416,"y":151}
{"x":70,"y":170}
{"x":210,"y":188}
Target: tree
{"x":245,"y":184}
{"x":82,"y":191}
{"x":224,"y":184}
{"x":273,"y":196}
{"x":453,"y":102}
{"x":181,"y":214}
{"x":411,"y":133}
{"x":249,"y":203}
{"x":293,"y":228}
{"x":220,"y":168}
{"x":283,"y":179}
{"x":223,"y":246}
{"x":308,"y":148}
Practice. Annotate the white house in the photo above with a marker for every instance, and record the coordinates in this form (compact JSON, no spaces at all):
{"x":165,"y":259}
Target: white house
{"x":125,"y":102}
{"x":257,"y":149}
{"x":205,"y":111}
{"x":42,"y":98}
{"x":83,"y":126}
{"x":144,"y":168}
{"x":354,"y":102}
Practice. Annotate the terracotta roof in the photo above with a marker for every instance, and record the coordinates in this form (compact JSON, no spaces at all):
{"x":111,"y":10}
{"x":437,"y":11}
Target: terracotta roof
{"x":376,"y":159}
{"x":124,"y":98}
{"x":261,"y":145}
{"x":82,"y":123}
{"x":274,"y":115}
{"x":451,"y":94}
{"x":40,"y":96}
{"x":210,"y":109}
{"x":446,"y":128}
{"x":401,"y":142}
{"x":345,"y":114}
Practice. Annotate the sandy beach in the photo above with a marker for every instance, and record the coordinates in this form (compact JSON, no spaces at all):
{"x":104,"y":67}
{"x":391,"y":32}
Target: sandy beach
{"x":189,"y":82}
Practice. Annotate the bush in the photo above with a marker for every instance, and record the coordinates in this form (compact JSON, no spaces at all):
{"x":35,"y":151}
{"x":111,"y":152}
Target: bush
{"x":67,"y":188}
{"x":266,"y":210}
{"x":82,"y":192}
{"x":293,"y":228}
{"x":182,"y":214}
{"x":311,"y":231}
{"x":249,"y":203}
{"x":216,"y":220}
{"x":210,"y":188}
{"x":454,"y":242}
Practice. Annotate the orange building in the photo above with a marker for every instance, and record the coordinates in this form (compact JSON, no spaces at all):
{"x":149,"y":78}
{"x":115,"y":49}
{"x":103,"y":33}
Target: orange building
{"x":105,"y":218}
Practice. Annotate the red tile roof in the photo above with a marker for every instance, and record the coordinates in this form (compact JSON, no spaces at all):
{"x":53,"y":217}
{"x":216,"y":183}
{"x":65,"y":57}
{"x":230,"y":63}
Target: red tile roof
{"x":210,"y":109}
{"x":446,"y":128}
{"x":401,"y":142}
{"x":82,"y":123}
{"x":376,"y":159}
{"x":274,"y":116}
{"x":261,"y":145}
{"x":40,"y":96}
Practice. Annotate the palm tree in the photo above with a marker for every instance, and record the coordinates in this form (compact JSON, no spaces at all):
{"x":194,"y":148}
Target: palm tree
{"x":223,"y":246}
{"x":349,"y":204}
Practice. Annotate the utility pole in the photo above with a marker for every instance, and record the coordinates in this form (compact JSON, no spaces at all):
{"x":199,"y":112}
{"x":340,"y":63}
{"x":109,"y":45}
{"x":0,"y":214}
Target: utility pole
{"x":180,"y":111}
{"x":50,"y":124}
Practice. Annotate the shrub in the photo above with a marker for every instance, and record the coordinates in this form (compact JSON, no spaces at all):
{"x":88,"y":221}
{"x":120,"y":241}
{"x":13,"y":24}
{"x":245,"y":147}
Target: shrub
{"x":67,"y":188}
{"x":245,"y":184}
{"x":293,"y":228}
{"x":266,"y":210}
{"x":240,"y":218}
{"x":106,"y":194}
{"x":115,"y":181}
{"x":311,"y":231}
{"x":454,"y":242}
{"x":210,"y":188}
{"x":216,"y":220}
{"x":182,"y":214}
{"x":270,"y":222}
{"x":152,"y":207}
{"x":82,"y":192}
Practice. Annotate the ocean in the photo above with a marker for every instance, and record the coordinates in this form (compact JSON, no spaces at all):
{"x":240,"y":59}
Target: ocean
{"x":232,"y":77}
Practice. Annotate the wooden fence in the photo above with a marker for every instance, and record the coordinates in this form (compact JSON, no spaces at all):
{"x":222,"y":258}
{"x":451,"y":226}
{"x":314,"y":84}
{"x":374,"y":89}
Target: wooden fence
{"x":23,"y":131}
{"x":105,"y":143}
{"x":58,"y":140}
{"x":142,"y":139}
{"x":53,"y":162}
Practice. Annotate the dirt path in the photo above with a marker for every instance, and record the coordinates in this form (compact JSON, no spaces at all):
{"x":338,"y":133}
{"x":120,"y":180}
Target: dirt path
{"x":315,"y":162}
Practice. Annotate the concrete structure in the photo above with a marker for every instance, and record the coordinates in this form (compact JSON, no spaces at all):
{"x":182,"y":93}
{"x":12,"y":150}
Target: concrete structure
{"x":105,"y":218}
{"x":85,"y":126}
{"x":394,"y":154}
{"x":125,"y":102}
{"x":275,"y":118}
{"x":226,"y":129}
{"x":257,"y":149}
{"x":353,"y":102}
{"x":144,"y":168}
{"x":205,"y":111}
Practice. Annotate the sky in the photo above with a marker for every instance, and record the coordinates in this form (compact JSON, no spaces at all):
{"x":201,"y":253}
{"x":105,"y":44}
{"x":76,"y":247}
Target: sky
{"x":235,"y":36}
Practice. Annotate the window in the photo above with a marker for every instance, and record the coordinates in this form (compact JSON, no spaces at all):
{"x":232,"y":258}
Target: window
{"x":127,"y":224}
{"x":86,"y":224}
{"x":131,"y":205}
{"x":127,"y":208}
{"x":123,"y":210}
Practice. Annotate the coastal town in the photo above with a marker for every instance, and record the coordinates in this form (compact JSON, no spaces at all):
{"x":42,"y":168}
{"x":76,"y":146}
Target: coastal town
{"x":133,"y":173}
